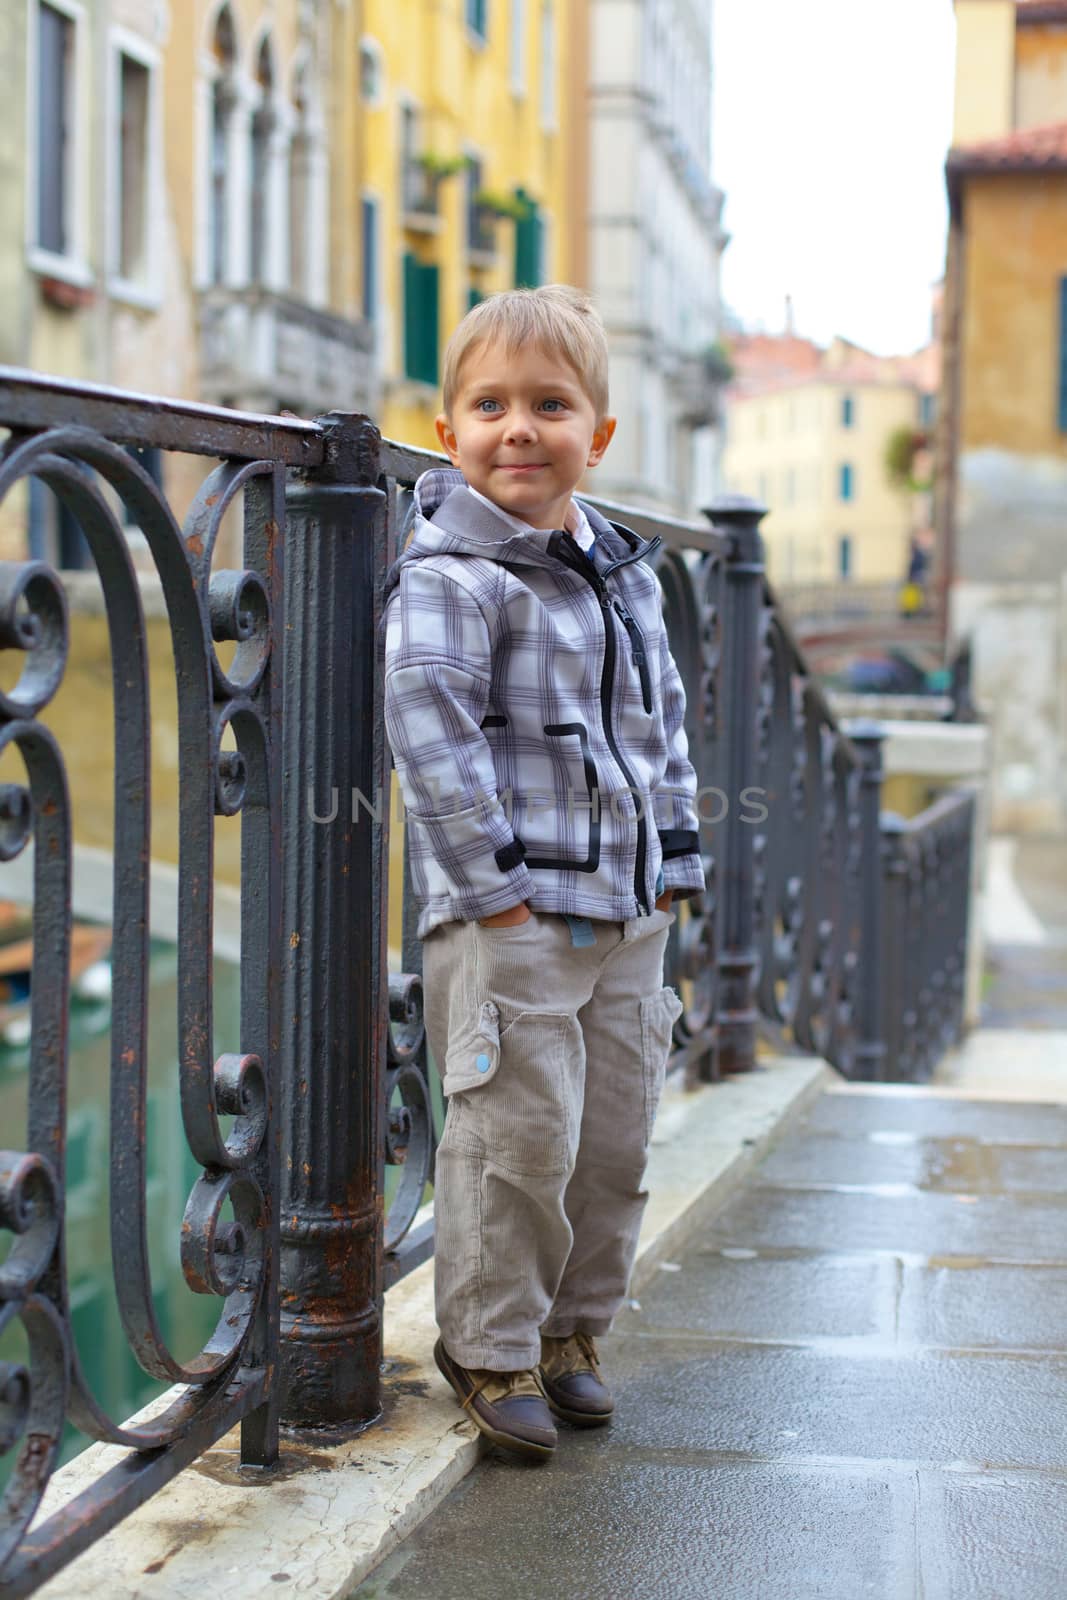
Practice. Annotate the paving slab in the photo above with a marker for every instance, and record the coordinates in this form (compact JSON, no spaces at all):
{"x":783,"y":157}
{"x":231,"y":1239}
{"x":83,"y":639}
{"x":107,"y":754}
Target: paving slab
{"x":994,"y":1537}
{"x":975,"y":1305}
{"x":904,"y":1222}
{"x":885,"y":1112}
{"x":646,"y":1532}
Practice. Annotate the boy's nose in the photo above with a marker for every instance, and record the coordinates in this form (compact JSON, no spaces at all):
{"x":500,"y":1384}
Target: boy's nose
{"x":520,"y":427}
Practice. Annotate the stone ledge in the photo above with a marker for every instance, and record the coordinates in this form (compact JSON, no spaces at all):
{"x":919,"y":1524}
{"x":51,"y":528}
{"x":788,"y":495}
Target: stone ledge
{"x":333,"y":1512}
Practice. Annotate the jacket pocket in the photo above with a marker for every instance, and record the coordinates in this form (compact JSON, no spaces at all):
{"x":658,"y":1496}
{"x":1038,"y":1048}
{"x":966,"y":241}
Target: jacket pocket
{"x":659,"y":1012}
{"x":473,"y":1059}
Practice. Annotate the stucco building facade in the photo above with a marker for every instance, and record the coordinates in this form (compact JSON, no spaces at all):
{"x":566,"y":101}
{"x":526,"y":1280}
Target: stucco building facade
{"x":807,"y":432}
{"x":655,"y":245}
{"x":1002,"y":445}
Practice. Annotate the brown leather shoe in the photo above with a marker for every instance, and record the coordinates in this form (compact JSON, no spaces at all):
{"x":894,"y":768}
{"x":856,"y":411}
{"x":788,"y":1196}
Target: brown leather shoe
{"x":570,"y":1376}
{"x":508,"y":1407}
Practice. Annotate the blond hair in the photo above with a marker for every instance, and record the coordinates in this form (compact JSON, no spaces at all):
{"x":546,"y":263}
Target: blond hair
{"x":556,"y":317}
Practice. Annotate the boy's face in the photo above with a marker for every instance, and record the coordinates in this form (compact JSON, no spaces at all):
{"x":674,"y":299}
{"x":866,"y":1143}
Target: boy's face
{"x":523,"y":431}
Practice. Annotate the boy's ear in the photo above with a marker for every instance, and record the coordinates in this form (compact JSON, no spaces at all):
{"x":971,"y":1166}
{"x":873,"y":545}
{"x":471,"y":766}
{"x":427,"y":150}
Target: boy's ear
{"x":602,"y":437}
{"x":447,"y":438}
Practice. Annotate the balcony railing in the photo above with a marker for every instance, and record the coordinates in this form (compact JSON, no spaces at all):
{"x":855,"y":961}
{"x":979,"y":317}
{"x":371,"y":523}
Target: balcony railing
{"x":261,"y":350}
{"x":846,"y":929}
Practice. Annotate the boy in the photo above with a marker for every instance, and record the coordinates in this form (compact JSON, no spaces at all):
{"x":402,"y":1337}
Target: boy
{"x":535,"y":716}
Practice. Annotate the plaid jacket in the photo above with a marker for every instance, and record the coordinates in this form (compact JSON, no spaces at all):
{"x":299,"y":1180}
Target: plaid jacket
{"x":535,"y":715}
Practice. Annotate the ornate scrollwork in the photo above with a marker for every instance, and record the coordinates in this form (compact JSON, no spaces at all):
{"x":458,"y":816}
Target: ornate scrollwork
{"x":221,"y":1258}
{"x":409,"y":1111}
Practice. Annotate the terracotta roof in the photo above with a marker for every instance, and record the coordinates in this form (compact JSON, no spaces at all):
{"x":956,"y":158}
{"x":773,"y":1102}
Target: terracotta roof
{"x":1026,"y":150}
{"x":1028,"y":13}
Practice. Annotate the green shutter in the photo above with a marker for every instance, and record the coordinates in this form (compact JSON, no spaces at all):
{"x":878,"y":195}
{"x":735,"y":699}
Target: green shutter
{"x":474,"y":298}
{"x":529,"y":231}
{"x":420,"y":320}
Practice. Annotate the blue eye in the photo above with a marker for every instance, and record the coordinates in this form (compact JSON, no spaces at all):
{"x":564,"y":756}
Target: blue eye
{"x":482,"y":405}
{"x":557,"y":403}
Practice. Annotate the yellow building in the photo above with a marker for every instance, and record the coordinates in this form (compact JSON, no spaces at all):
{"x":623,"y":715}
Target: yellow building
{"x":807,"y":436}
{"x":472,"y":174}
{"x":1002,"y":440}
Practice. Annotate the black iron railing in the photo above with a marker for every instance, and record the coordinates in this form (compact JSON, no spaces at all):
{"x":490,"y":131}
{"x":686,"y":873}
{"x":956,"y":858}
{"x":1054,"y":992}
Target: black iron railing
{"x":847,"y":929}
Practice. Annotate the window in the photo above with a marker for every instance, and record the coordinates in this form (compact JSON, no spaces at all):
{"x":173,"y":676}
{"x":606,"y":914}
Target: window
{"x":419,"y":188}
{"x":371,"y":72}
{"x":518,"y":46}
{"x":548,"y":64}
{"x":529,"y":244}
{"x":369,"y":257}
{"x":55,"y":133}
{"x":846,"y":484}
{"x":927,"y":410}
{"x":844,"y":555}
{"x":420,"y":320}
{"x":481,"y":240}
{"x":848,"y":411}
{"x":134,"y":95}
{"x":477,"y":12}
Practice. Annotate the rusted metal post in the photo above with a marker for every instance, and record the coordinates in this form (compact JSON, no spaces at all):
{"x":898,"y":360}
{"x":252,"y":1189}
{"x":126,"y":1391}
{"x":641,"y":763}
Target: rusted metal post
{"x":335,"y":990}
{"x":870,"y":1051}
{"x":739,"y":518}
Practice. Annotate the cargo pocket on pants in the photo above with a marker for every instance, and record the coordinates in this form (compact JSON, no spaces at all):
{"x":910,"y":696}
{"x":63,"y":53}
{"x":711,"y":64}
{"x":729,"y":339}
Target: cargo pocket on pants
{"x":473,"y":1058}
{"x":658,"y":1016}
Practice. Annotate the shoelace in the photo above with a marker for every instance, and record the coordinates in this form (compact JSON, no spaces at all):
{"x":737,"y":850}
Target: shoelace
{"x":512,"y":1385}
{"x":585,"y":1344}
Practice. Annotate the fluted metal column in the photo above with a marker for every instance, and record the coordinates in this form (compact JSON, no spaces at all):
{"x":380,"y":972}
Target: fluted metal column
{"x":739,"y":518}
{"x":335,"y":996}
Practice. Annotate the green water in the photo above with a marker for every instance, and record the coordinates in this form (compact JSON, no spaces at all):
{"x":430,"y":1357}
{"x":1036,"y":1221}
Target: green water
{"x":117,"y":1382}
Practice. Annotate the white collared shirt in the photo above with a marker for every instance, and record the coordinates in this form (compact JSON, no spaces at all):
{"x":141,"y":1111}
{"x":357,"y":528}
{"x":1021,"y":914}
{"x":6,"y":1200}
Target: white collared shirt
{"x":583,"y":535}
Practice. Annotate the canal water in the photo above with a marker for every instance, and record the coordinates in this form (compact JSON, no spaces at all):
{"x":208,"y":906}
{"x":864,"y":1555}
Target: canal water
{"x":187,"y":1319}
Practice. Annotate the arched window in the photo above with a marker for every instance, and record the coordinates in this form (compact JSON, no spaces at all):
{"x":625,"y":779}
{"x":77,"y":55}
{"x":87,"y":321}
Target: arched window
{"x":224,"y":49}
{"x":263,"y":120}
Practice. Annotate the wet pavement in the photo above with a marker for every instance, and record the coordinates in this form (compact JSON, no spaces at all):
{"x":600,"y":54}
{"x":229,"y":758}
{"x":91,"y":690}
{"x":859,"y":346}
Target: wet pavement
{"x":853,"y":1384}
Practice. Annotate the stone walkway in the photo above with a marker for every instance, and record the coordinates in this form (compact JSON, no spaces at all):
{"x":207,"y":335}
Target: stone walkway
{"x":855,"y":1383}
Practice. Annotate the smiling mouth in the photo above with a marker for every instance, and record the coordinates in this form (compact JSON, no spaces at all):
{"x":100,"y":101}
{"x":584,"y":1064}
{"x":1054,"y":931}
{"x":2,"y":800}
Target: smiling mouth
{"x":521,"y":466}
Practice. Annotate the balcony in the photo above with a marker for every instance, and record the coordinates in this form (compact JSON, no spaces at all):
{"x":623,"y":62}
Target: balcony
{"x":699,"y":380}
{"x":261,"y":351}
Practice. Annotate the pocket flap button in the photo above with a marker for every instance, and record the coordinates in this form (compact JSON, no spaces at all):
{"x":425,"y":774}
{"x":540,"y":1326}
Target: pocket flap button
{"x":482,"y":1063}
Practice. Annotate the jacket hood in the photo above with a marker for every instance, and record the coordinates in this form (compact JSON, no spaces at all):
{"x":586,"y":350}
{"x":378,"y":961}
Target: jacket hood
{"x":449,"y":520}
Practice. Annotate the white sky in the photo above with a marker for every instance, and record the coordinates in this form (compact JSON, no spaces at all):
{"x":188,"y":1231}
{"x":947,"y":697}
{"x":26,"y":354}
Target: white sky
{"x":831,"y":123}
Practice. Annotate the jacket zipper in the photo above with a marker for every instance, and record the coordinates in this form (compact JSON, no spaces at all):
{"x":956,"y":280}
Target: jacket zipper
{"x":579,"y":562}
{"x":637,"y":646}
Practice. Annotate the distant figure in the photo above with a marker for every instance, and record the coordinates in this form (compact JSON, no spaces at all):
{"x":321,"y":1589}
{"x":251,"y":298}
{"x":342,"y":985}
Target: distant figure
{"x":912,"y":594}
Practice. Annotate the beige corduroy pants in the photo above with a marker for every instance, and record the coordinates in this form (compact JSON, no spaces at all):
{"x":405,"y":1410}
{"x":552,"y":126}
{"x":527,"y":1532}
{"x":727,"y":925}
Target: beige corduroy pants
{"x":553,"y":1057}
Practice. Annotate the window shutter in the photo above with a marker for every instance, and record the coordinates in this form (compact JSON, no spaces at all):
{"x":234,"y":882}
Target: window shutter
{"x":529,"y":231}
{"x":369,"y":243}
{"x":1063,"y":355}
{"x":847,"y":485}
{"x":420,"y":320}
